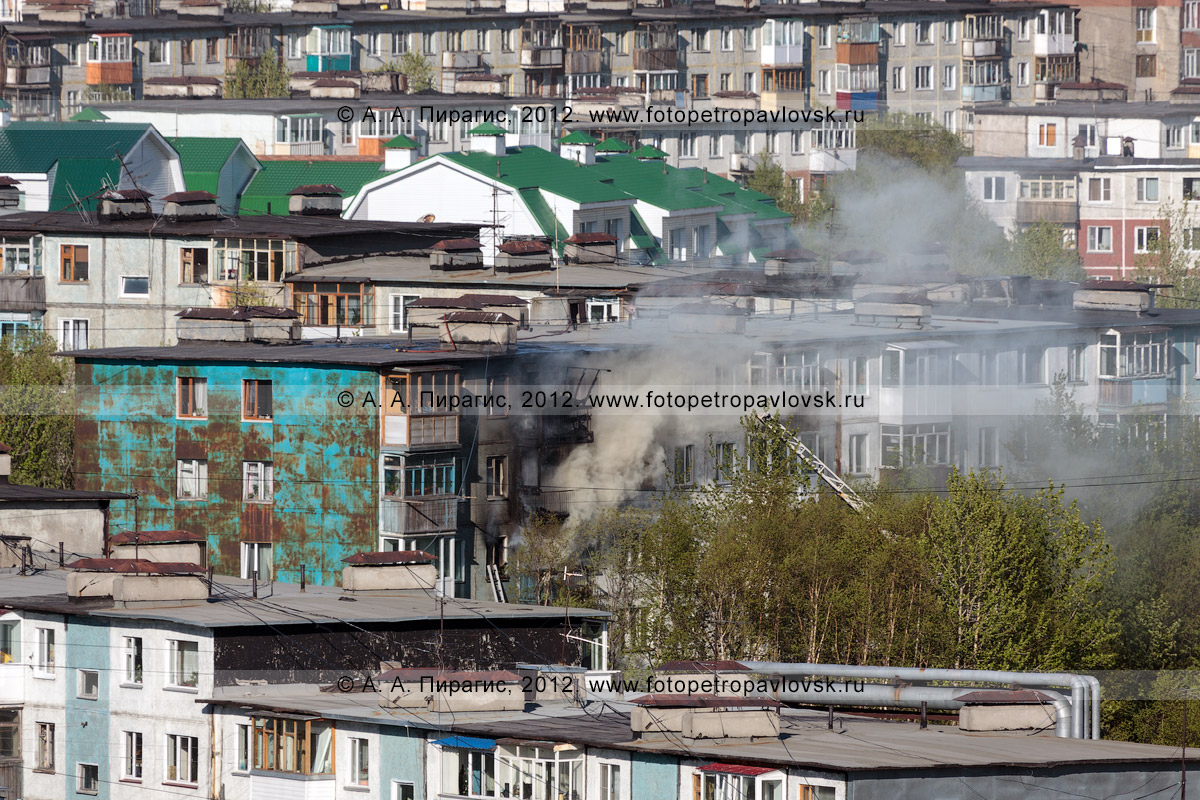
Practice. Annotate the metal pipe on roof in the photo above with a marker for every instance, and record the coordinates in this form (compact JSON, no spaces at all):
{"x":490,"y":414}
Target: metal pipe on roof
{"x":940,"y":697}
{"x":1085,"y":689}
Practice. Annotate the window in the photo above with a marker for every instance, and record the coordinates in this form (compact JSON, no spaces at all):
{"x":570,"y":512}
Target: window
{"x":211,"y":56}
{"x":748,"y":81}
{"x":192,"y":394}
{"x":1100,"y":190}
{"x":725,"y":457}
{"x":700,"y":86}
{"x":927,"y":444}
{"x":858,"y":454}
{"x":109,"y":49}
{"x":1022,"y":73}
{"x":135,"y":286}
{"x":403,"y":791}
{"x":191,"y":479}
{"x":360,"y":762}
{"x":256,"y":400}
{"x":823,"y":81}
{"x":400,"y":43}
{"x":73,"y":334}
{"x":184,"y":663}
{"x":1047,"y":134}
{"x":949,"y":76}
{"x":256,"y":560}
{"x":900,"y":35}
{"x":610,"y":781}
{"x":898,"y":79}
{"x":88,"y":684}
{"x":1145,"y":239}
{"x":74,"y":262}
{"x":45,"y":653}
{"x":1087,"y":135}
{"x":1191,"y":238}
{"x":1191,"y":15}
{"x":187,"y":51}
{"x":133,"y":659}
{"x":924,"y":32}
{"x":685,"y":462}
{"x":1133,"y":355}
{"x":254,"y":259}
{"x":1174,"y":137}
{"x":747,"y":38}
{"x":923,"y":77}
{"x":289,"y":745}
{"x":1144,"y":25}
{"x":1032,"y":362}
{"x":17,"y":257}
{"x":159,"y":52}
{"x":727,"y":39}
{"x":621,"y":42}
{"x":45,"y":747}
{"x":1076,"y":360}
{"x":329,"y":304}
{"x":1147,"y":190}
{"x":1023,"y":29}
{"x":1047,"y":187}
{"x":1191,"y":69}
{"x":298,"y":129}
{"x":131,"y":758}
{"x":257,"y":482}
{"x":193,"y":265}
{"x":860,"y":375}
{"x":824,"y":36}
{"x":687,"y":145}
{"x":87,"y":778}
{"x":183,"y":759}
{"x":243,"y":748}
{"x":714,"y":145}
{"x":950,"y":32}
{"x":1099,"y":239}
{"x":1146,"y":66}
{"x":10,"y":642}
{"x":700,"y":40}
{"x":988,"y":447}
{"x":497,"y":477}
{"x":993,"y":189}
{"x":400,"y":303}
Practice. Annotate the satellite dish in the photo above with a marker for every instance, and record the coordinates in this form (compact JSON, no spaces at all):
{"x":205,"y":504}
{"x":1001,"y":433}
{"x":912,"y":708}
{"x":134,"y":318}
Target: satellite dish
{"x":426,"y":218}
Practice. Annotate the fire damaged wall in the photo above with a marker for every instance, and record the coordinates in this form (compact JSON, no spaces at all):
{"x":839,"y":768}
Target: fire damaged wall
{"x":323,"y":653}
{"x":131,"y":437}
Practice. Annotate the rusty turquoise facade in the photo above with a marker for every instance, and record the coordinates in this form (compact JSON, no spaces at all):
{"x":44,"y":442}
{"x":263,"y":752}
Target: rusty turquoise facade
{"x":324,"y":458}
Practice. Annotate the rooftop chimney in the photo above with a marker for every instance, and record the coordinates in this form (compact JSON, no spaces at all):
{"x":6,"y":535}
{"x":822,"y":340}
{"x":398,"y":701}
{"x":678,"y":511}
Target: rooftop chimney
{"x":399,"y":152}
{"x":315,"y":200}
{"x":488,"y":138}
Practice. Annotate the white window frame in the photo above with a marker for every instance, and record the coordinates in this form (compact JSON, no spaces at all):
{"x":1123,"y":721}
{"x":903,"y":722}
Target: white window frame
{"x":177,"y":664}
{"x":69,"y":332}
{"x":949,"y":76}
{"x":609,"y":786}
{"x":823,"y":81}
{"x":260,"y":474}
{"x":898,"y":79}
{"x":243,"y":756}
{"x":1022,"y":73}
{"x":1141,"y":237}
{"x":179,"y":750}
{"x":927,"y":71}
{"x":132,"y":769}
{"x":356,"y":745}
{"x":252,"y":560}
{"x":1144,"y":25}
{"x":164,"y":51}
{"x":858,"y":454}
{"x":994,"y":189}
{"x":399,"y":313}
{"x":135,"y":661}
{"x":1094,"y":234}
{"x":81,"y":681}
{"x":1076,"y":363}
{"x":44,"y":665}
{"x":1104,"y":190}
{"x":191,"y":481}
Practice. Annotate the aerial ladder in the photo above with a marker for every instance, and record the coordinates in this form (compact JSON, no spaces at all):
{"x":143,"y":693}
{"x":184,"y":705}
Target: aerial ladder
{"x":831,"y":478}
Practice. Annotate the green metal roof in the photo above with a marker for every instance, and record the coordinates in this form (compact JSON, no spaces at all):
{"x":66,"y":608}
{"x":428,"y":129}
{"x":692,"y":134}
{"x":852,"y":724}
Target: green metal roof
{"x":648,"y":151}
{"x":89,"y":114}
{"x":34,"y":146}
{"x":86,"y":177}
{"x":201,"y":154}
{"x":400,"y":142}
{"x":639,"y":232}
{"x":612,"y":146}
{"x":276,"y":178}
{"x":653,"y":182}
{"x":487,"y":129}
{"x":5,"y":105}
{"x":534,"y":167}
{"x":577,"y":137}
{"x":545,"y":217}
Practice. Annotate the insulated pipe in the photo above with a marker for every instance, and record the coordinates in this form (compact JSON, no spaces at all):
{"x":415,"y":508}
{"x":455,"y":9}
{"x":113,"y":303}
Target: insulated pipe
{"x":940,"y":697}
{"x":1080,"y":686}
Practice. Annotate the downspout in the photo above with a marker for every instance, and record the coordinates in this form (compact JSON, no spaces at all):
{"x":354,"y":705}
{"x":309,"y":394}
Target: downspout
{"x":1081,"y":686}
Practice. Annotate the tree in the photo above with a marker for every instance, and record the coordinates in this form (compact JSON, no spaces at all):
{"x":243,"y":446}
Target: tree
{"x":269,"y":77}
{"x":37,"y":410}
{"x":417,"y":70}
{"x":1173,"y":257}
{"x":909,"y":138}
{"x":1039,"y":250}
{"x":250,"y":293}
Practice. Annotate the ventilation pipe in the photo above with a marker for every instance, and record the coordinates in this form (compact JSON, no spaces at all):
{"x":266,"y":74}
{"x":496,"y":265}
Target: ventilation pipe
{"x":1085,"y":689}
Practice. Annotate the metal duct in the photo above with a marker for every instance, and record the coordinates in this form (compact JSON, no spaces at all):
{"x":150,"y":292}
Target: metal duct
{"x":1085,"y":689}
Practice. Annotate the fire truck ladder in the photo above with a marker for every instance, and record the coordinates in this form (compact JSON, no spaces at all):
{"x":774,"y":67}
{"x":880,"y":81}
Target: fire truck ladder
{"x":831,"y":478}
{"x":498,"y":592}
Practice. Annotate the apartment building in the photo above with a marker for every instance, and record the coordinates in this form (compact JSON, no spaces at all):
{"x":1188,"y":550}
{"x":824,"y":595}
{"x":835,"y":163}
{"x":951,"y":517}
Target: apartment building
{"x":105,"y":662}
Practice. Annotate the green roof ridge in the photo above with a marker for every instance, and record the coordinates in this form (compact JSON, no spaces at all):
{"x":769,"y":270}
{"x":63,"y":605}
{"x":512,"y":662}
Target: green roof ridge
{"x":648,"y":151}
{"x":487,"y":129}
{"x":89,"y":114}
{"x":612,"y":145}
{"x":400,"y":142}
{"x":577,"y":137}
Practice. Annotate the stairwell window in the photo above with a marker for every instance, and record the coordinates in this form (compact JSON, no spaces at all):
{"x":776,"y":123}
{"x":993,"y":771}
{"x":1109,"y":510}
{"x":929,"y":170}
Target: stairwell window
{"x":360,"y":762}
{"x":87,"y":778}
{"x":45,"y":747}
{"x":1144,"y":25}
{"x":133,"y":660}
{"x":858,"y":454}
{"x":135,"y":286}
{"x":88,"y":686}
{"x":131,"y":760}
{"x":43,"y":667}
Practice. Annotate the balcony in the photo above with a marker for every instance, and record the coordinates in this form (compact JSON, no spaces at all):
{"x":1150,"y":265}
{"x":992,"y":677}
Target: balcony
{"x":910,"y":404}
{"x":546,"y":501}
{"x":582,"y":62}
{"x":1029,"y":211}
{"x":460,"y":60}
{"x":22,"y":292}
{"x":735,"y":100}
{"x":657,"y":60}
{"x":27,"y":60}
{"x":855,"y":53}
{"x":742,"y":163}
{"x":982,"y":94}
{"x":291,"y":786}
{"x":420,"y":431}
{"x":1053,"y":44}
{"x":418,"y":515}
{"x":1125,"y":394}
{"x":533,"y":57}
{"x":858,"y":101}
{"x":981,"y":48}
{"x":12,"y":682}
{"x":826,"y":161}
{"x":770,"y":101}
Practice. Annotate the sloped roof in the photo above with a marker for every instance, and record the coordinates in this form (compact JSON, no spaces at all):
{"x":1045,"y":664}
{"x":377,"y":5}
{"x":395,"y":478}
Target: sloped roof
{"x":276,"y":178}
{"x":529,"y":167}
{"x":89,"y":114}
{"x":35,"y":146}
{"x":648,"y":151}
{"x":203,"y":158}
{"x":612,"y":145}
{"x":86,"y":177}
{"x":487,"y":129}
{"x":400,"y":142}
{"x":577,"y":137}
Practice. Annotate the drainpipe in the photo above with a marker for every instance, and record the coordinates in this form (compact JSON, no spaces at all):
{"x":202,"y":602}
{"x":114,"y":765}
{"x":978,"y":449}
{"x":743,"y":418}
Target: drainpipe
{"x":1083,"y":688}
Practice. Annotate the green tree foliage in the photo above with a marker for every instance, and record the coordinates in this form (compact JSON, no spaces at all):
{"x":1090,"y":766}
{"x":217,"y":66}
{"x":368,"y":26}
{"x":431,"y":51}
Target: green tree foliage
{"x":905,"y":137}
{"x":417,"y":70}
{"x":1038,"y":250}
{"x":250,"y":293}
{"x":36,"y":410}
{"x":1173,"y":258}
{"x":269,"y":77}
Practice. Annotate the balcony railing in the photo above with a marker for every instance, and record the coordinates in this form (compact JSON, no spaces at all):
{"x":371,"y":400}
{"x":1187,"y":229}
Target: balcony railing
{"x":858,"y":52}
{"x":982,"y":94}
{"x":419,"y":431}
{"x":541,"y":57}
{"x":1122,"y":394}
{"x":1029,"y":211}
{"x":1053,"y":44}
{"x":418,"y":515}
{"x":581,"y":62}
{"x":460,"y":60}
{"x":980,"y":48}
{"x":660,"y":60}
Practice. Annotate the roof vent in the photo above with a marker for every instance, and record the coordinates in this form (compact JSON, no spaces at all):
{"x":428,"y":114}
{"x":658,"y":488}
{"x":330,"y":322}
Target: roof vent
{"x":130,"y":580}
{"x":590,"y":248}
{"x":124,"y":204}
{"x":159,"y":546}
{"x":315,"y":200}
{"x":706,"y":318}
{"x":705,"y":716}
{"x":1113,"y":296}
{"x":884,"y":310}
{"x":242,"y":324}
{"x":524,"y":255}
{"x":180,"y":206}
{"x":396,"y":570}
{"x":454,"y":254}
